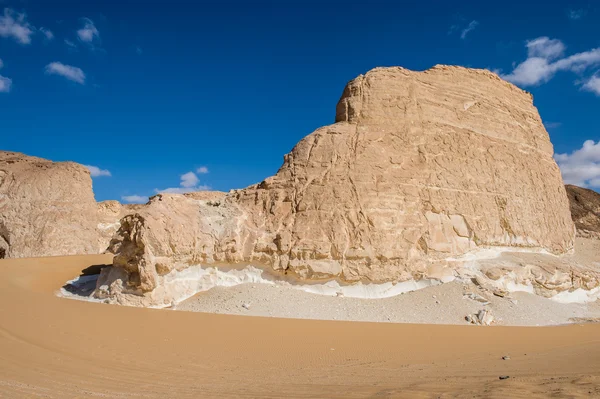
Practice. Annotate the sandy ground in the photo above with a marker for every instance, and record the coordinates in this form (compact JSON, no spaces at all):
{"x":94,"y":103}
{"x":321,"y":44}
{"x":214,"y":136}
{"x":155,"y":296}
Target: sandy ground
{"x":442,"y":304}
{"x":59,"y":348}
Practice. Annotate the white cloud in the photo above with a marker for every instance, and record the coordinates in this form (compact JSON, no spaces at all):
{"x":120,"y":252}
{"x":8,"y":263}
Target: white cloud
{"x":593,"y":85}
{"x":189,"y":183}
{"x":579,"y":62}
{"x":189,"y":179}
{"x":576,"y":14}
{"x":97,"y":172}
{"x":582,"y":166}
{"x":89,"y":32}
{"x":544,"y":61}
{"x":15,"y":25}
{"x":530,"y":72}
{"x":202,"y":170}
{"x":70,"y":43}
{"x":135,"y":199}
{"x":47,"y":33}
{"x":545,"y":47}
{"x":472,"y":25}
{"x":5,"y":84}
{"x":67,"y":71}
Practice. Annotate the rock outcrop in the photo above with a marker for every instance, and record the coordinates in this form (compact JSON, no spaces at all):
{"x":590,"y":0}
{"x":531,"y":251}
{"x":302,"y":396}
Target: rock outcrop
{"x":48,"y":208}
{"x":419,"y":167}
{"x":585,"y":210}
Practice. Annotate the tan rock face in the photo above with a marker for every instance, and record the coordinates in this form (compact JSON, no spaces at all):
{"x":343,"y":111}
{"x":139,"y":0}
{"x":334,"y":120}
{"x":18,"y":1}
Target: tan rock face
{"x":419,"y":167}
{"x":48,"y":208}
{"x":585,"y":210}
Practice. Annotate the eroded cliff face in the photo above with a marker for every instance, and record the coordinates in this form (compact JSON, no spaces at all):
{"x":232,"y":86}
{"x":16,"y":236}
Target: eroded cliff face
{"x":585,"y":210}
{"x":419,"y":167}
{"x":48,"y":209}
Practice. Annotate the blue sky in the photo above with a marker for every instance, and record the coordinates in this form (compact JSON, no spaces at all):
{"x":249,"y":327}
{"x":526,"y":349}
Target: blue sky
{"x":186,"y":95}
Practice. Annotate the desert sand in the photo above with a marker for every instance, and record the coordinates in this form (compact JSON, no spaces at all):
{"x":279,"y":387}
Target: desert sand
{"x":59,"y":348}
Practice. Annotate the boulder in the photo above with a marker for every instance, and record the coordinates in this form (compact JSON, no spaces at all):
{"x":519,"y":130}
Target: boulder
{"x":418,"y":168}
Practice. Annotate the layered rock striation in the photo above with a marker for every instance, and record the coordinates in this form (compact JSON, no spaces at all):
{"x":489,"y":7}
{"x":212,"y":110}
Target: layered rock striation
{"x":585,"y":210}
{"x":418,"y":168}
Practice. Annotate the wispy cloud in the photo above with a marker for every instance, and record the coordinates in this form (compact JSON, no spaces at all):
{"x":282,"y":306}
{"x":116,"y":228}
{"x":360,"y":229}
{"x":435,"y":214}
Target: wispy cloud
{"x":97,"y":172}
{"x":5,"y":84}
{"x":189,"y":183}
{"x":67,"y":71}
{"x":70,"y":44}
{"x":472,"y":25}
{"x":582,"y":166}
{"x":14,"y":25}
{"x":135,"y":199}
{"x":574,"y":15}
{"x":545,"y":59}
{"x":544,"y":47}
{"x":138,"y":50}
{"x":47,"y":33}
{"x":202,"y":170}
{"x":88,"y":33}
{"x":552,"y":125}
{"x":593,"y":85}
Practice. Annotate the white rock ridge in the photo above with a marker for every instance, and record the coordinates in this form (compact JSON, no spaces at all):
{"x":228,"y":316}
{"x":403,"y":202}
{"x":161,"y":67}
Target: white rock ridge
{"x":419,"y":167}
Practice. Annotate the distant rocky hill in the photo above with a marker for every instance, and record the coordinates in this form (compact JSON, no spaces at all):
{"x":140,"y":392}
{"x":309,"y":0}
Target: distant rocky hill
{"x":418,"y":168}
{"x":585,"y":210}
{"x":48,"y":208}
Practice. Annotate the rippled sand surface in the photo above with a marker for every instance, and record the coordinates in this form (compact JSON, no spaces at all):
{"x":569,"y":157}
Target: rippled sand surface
{"x":59,"y":348}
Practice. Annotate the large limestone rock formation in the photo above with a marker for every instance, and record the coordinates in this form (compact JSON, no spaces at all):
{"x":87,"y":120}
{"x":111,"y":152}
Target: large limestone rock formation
{"x":48,"y":208}
{"x":419,"y":167}
{"x":585,"y":210}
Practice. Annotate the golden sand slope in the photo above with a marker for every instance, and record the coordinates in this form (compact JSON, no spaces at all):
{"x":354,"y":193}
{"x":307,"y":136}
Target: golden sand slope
{"x":60,"y":348}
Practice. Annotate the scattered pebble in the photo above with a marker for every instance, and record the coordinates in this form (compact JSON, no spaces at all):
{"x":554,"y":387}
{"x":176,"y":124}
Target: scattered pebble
{"x":483,"y":318}
{"x":504,"y":377}
{"x":476,"y":297}
{"x":412,"y":307}
{"x":505,"y":357}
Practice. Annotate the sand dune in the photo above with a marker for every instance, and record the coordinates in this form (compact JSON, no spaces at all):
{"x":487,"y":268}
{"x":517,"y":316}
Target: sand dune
{"x":58,"y":348}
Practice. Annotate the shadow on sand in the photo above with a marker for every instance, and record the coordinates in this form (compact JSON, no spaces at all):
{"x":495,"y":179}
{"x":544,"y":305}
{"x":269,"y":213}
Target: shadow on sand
{"x":84,"y":284}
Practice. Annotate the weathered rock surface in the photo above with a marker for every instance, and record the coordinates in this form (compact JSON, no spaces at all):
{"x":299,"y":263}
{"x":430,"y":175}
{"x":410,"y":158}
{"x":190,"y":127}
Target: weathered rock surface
{"x":585,"y":211}
{"x":418,"y":168}
{"x":48,"y":208}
